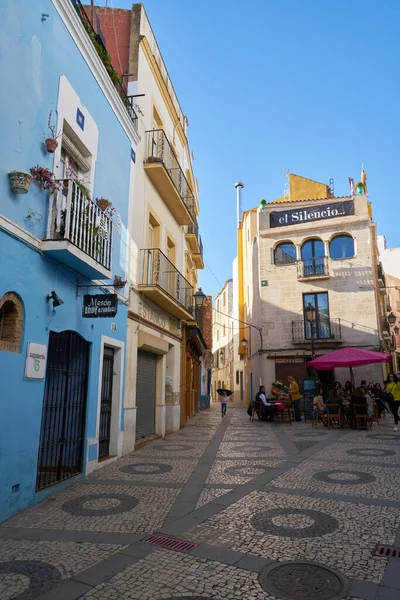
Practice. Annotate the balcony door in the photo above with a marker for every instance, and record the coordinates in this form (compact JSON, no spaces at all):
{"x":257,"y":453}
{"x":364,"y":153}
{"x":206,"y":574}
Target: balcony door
{"x":312,"y":254}
{"x":322,"y":324}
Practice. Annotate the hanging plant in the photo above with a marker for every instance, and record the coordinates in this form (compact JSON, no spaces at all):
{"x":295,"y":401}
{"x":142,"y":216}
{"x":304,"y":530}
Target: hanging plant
{"x":119,"y":282}
{"x":106,"y":206}
{"x":20,"y":181}
{"x":51,"y":142}
{"x":45,"y":179}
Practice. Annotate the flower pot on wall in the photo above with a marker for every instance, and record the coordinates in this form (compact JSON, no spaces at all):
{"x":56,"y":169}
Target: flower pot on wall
{"x":46,"y":174}
{"x":51,"y":145}
{"x":20,"y":181}
{"x":103,"y":203}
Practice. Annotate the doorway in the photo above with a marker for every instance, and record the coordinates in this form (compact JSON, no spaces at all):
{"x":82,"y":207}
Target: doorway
{"x":62,"y":432}
{"x":145,"y":394}
{"x":106,"y":402}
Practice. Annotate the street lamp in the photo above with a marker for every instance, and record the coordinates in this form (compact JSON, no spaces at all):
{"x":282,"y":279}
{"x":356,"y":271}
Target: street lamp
{"x":243,"y":343}
{"x":396,"y":330}
{"x":311,"y":315}
{"x":391,"y":318}
{"x":221,"y":355}
{"x":199,"y":298}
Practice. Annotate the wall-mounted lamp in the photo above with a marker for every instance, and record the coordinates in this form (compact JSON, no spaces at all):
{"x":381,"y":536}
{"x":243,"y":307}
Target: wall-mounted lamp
{"x":243,"y":343}
{"x":396,"y":330}
{"x":199,"y":298}
{"x":56,"y":300}
{"x":392,"y":318}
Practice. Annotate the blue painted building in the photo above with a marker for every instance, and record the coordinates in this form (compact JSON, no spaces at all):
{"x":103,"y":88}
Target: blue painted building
{"x":61,"y":374}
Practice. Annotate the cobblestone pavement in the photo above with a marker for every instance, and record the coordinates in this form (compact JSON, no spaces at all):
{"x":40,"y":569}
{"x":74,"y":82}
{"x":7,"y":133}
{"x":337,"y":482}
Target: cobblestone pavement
{"x":267,"y":512}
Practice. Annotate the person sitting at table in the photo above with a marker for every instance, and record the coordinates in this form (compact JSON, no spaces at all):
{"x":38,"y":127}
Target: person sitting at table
{"x":318,"y":403}
{"x":268,"y":408}
{"x":348,"y":390}
{"x":359,"y":397}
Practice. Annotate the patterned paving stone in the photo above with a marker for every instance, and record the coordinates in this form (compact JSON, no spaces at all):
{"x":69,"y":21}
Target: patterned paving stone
{"x":166,"y":448}
{"x":236,"y":472}
{"x":310,"y":475}
{"x":100,"y":505}
{"x":147,"y":515}
{"x":29,"y":569}
{"x":251,"y":449}
{"x":349,"y":547}
{"x":167,"y":575}
{"x":360,"y":453}
{"x":143,"y":468}
{"x":209,"y":494}
{"x":294,"y":522}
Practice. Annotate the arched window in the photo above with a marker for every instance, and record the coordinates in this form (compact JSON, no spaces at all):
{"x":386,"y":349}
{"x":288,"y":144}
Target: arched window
{"x":313,"y":249}
{"x":285,"y":254}
{"x":11,"y":321}
{"x":313,"y":258}
{"x":342,"y":246}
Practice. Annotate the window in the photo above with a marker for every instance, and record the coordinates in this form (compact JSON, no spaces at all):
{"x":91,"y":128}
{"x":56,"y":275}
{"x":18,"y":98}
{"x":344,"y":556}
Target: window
{"x":322,"y":323}
{"x":224,"y":333}
{"x":170,"y":250}
{"x":237,"y":377}
{"x":285,"y":254}
{"x":218,"y":305}
{"x":342,"y":246}
{"x":312,"y":255}
{"x":11,"y":322}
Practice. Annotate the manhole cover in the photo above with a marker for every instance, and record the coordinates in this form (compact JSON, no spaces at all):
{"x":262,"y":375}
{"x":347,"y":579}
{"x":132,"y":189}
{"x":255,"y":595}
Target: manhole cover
{"x":42,"y":577}
{"x":294,"y":522}
{"x":370,"y":452}
{"x":146,"y":468}
{"x":344,"y":477}
{"x":303,"y":580}
{"x":100,"y":505}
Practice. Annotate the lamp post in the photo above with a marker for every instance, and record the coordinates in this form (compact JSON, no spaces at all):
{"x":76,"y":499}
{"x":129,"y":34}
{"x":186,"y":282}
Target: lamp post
{"x":311,"y":315}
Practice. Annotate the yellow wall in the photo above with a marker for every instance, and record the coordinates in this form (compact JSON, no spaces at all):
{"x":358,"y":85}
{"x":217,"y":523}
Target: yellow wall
{"x":302,"y":188}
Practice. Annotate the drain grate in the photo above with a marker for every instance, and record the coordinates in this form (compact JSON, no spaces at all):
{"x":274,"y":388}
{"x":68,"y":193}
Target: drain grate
{"x":387,"y":551}
{"x":169,"y":543}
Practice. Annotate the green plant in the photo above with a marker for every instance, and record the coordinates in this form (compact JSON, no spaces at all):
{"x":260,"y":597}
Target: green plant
{"x":45,"y":179}
{"x":105,"y":58}
{"x":83,"y":189}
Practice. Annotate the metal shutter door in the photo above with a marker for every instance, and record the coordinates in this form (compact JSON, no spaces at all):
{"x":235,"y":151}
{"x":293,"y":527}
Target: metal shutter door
{"x":145,"y":394}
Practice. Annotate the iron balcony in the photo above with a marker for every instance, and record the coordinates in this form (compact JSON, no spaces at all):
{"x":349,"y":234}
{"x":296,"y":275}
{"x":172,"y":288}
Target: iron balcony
{"x":195,"y":244}
{"x":313,"y":268}
{"x":79,"y":233}
{"x":167,"y":176}
{"x":161,"y":281}
{"x":324,"y":331}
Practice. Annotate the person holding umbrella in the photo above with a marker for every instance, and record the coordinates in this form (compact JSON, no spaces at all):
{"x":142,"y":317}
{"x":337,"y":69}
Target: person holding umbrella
{"x":223,"y":394}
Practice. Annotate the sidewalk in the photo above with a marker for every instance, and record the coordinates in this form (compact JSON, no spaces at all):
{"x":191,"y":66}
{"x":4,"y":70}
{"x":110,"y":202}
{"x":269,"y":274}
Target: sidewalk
{"x":245,"y":496}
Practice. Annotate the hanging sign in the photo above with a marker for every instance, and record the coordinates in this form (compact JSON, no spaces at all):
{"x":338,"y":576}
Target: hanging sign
{"x":35,"y":365}
{"x":99,"y":305}
{"x":311,"y":213}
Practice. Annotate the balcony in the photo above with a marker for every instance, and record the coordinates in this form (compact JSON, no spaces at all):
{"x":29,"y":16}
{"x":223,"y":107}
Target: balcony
{"x":164,"y":171}
{"x":313,"y":268}
{"x":161,"y":281}
{"x":381,"y":278}
{"x":195,"y":244}
{"x":79,"y":234}
{"x":326,"y":332}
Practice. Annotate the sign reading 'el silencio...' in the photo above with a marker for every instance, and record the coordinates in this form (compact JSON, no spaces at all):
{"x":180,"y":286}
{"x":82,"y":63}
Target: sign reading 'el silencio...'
{"x":311,"y":213}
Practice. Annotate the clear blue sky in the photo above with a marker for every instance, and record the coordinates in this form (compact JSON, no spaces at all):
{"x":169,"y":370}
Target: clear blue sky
{"x":269,"y":85}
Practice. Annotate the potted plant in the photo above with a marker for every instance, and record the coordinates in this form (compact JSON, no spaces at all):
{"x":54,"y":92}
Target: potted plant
{"x":20,"y":181}
{"x":119,"y":282}
{"x":51,"y":142}
{"x":45,"y":179}
{"x":106,"y":206}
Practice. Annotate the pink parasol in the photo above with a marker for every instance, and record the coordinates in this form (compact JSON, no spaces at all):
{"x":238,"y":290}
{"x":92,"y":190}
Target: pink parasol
{"x":348,"y":357}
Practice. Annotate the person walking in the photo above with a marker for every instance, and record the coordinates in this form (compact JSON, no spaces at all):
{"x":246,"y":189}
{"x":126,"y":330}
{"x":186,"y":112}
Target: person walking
{"x":224,"y":400}
{"x":294,"y":393}
{"x":393,"y":388}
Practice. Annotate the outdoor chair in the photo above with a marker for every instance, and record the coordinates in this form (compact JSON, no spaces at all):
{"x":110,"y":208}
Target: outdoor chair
{"x":361,"y":418}
{"x":287,"y":414}
{"x":333,"y":415}
{"x":257,"y":409}
{"x":319,"y":417}
{"x":375,"y":413}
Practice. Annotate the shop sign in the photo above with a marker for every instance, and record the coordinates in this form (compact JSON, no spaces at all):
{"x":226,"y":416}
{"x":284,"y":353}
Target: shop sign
{"x":35,"y":365}
{"x":99,"y":306}
{"x":311,"y":213}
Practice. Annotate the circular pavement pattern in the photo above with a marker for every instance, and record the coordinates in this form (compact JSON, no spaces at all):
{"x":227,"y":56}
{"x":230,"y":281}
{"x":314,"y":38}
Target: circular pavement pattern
{"x":250,"y":448}
{"x":107,"y":504}
{"x":173,"y":447}
{"x":146,"y":468}
{"x":370,"y":452}
{"x":344,"y":477}
{"x":294,"y":522}
{"x":245,"y":470}
{"x":303,"y":580}
{"x":42,"y":576}
{"x":382,"y":436}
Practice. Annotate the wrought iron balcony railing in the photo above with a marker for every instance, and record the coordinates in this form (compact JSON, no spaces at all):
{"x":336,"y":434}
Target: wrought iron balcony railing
{"x":194,"y":228}
{"x":160,"y":150}
{"x":101,"y":50}
{"x":323,"y":330}
{"x":316,"y":266}
{"x":77,"y":219}
{"x":157,"y":270}
{"x":201,"y":246}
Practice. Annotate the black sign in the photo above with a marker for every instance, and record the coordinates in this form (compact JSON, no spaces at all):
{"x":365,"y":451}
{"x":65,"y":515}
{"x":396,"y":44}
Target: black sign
{"x":311,"y":213}
{"x":99,"y":306}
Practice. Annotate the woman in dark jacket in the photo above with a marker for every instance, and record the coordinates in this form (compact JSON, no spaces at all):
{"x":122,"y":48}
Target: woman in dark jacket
{"x":378,"y":396}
